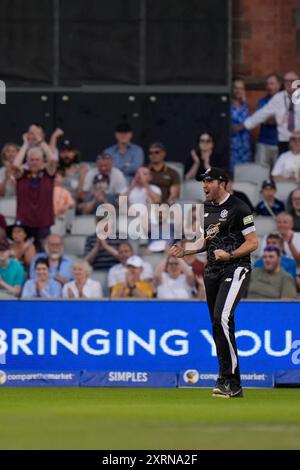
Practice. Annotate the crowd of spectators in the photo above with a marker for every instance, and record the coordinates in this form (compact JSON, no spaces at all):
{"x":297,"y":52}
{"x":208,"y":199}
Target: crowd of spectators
{"x":51,"y":184}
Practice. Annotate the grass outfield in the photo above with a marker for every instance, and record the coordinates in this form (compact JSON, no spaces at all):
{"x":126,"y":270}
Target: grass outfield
{"x":120,"y":418}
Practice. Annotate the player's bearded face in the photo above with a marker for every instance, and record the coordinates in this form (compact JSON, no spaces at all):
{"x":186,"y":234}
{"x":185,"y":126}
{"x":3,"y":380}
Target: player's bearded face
{"x":212,"y":190}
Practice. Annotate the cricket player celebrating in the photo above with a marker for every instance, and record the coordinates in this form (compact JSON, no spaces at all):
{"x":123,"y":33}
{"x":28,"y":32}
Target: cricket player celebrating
{"x":229,"y":238}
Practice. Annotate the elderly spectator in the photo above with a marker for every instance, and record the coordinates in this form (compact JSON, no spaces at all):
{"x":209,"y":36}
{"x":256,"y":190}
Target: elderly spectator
{"x":271,"y":281}
{"x":35,"y":182}
{"x":60,"y":266}
{"x":163,"y":176}
{"x":269,"y":206}
{"x":240,"y":137}
{"x":22,"y":247}
{"x":197,"y":268}
{"x":83,"y":287}
{"x":267,"y":144}
{"x":282,"y":108}
{"x":69,"y":163}
{"x":98,"y":252}
{"x":291,"y":239}
{"x":127,"y":157}
{"x":287,"y":167}
{"x":174,"y":279}
{"x":118,"y":272}
{"x":62,"y":198}
{"x":288,"y":264}
{"x":7,"y":176}
{"x":42,"y":286}
{"x":133,"y":286}
{"x":294,"y":199}
{"x":102,"y":185}
{"x":12,"y":274}
{"x":203,"y":156}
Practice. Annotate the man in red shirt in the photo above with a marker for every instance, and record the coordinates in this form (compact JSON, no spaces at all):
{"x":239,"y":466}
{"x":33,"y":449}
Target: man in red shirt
{"x":35,"y":181}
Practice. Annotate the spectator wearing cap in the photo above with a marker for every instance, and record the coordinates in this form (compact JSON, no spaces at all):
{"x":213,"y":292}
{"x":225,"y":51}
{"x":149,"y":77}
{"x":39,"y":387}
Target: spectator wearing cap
{"x":60,"y":265}
{"x":35,"y":182}
{"x":283,"y":110}
{"x":42,"y":286}
{"x":22,"y":247}
{"x":7,"y":176}
{"x":267,"y":144}
{"x":102,"y":184}
{"x":133,"y":286}
{"x":174,"y":279}
{"x":163,"y":176}
{"x":271,"y":281}
{"x":294,"y":202}
{"x":288,"y":264}
{"x":126,"y":156}
{"x":269,"y":206}
{"x":69,"y":163}
{"x":83,"y":287}
{"x":287,"y":167}
{"x":118,"y":272}
{"x":12,"y":275}
{"x":239,"y":194}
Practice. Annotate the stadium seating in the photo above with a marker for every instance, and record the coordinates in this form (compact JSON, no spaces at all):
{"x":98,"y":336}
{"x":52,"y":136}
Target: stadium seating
{"x":284,"y":188}
{"x":179,"y":167}
{"x":192,"y":191}
{"x":74,"y":245}
{"x":154,"y":259}
{"x":264,"y":225}
{"x":8,"y":206}
{"x":84,"y":225}
{"x":250,"y":189}
{"x":101,"y":276}
{"x":251,"y":172}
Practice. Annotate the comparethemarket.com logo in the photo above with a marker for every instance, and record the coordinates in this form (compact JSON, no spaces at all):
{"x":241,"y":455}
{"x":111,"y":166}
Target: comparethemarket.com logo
{"x":6,"y":378}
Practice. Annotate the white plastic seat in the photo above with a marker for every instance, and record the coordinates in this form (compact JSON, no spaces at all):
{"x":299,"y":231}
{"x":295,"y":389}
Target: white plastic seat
{"x":101,"y":276}
{"x":153,"y":258}
{"x":193,"y":191}
{"x":74,"y":245}
{"x":179,"y":167}
{"x":84,"y":225}
{"x":264,"y":225}
{"x":8,"y":206}
{"x":250,"y":189}
{"x":251,"y":172}
{"x":284,"y":188}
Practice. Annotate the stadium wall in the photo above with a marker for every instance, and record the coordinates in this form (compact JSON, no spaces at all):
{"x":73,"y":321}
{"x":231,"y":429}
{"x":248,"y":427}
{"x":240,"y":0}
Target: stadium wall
{"x":141,"y":337}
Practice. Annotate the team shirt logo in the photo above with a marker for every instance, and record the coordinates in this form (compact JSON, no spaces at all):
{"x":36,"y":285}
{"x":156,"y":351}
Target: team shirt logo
{"x":248,"y":220}
{"x":224,"y":214}
{"x":212,"y":231}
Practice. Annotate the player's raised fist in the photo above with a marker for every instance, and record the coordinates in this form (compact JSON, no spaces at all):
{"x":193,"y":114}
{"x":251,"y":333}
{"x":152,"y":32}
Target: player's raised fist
{"x":221,"y":255}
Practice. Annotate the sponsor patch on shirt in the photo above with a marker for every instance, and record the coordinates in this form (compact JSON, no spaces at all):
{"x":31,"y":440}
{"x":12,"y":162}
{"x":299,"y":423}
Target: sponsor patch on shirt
{"x":248,"y":220}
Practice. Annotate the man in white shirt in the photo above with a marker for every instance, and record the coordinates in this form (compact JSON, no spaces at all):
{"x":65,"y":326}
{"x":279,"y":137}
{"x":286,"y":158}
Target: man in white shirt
{"x":101,"y":185}
{"x":141,"y":191}
{"x":285,"y":112}
{"x":118,"y":272}
{"x":287,"y":167}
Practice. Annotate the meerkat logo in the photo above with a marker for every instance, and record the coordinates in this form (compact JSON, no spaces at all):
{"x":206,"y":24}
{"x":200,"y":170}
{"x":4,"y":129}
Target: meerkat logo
{"x":191,"y":376}
{"x":212,"y":231}
{"x":3,"y":377}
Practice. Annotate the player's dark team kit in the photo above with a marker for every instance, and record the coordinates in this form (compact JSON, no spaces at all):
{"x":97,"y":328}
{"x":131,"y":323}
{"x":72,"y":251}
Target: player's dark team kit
{"x":225,"y":225}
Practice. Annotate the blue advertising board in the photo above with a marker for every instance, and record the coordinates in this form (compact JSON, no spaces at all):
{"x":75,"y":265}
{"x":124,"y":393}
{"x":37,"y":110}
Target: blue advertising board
{"x":137,"y":336}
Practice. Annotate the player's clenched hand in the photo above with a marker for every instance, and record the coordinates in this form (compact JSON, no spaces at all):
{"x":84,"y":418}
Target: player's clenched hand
{"x":221,"y":255}
{"x":177,"y":251}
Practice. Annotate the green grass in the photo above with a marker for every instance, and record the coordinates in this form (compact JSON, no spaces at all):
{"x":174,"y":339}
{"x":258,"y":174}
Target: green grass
{"x":103,"y":418}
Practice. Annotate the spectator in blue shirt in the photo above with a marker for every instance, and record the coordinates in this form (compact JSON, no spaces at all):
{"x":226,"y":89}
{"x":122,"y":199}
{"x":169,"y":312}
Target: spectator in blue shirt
{"x":126,"y":156}
{"x":42,"y":286}
{"x":269,"y":206}
{"x":267,"y":144}
{"x":60,"y":266}
{"x":12,"y":275}
{"x":288,"y":264}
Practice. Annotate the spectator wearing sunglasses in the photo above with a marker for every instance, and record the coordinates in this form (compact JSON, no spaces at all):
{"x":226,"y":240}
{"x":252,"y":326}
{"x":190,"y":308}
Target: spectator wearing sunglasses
{"x":287,"y":167}
{"x":271,"y":281}
{"x":163,"y":176}
{"x":203,"y":156}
